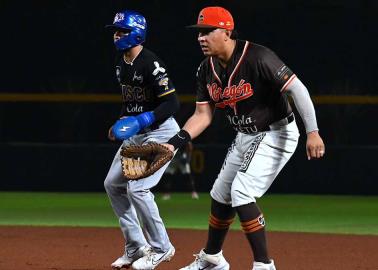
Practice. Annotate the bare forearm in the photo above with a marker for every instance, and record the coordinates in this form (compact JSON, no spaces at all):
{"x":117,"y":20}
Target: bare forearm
{"x":196,"y":124}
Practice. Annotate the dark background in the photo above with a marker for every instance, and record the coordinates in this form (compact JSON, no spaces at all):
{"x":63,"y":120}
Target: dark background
{"x":62,"y":47}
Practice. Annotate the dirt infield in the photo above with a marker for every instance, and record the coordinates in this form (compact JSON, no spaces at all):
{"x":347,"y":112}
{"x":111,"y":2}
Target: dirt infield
{"x":57,"y":248}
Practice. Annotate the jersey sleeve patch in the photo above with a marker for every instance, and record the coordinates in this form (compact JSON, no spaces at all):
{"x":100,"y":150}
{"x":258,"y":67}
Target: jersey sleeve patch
{"x":283,"y":73}
{"x":273,"y":70}
{"x":158,"y":68}
{"x":164,"y":85}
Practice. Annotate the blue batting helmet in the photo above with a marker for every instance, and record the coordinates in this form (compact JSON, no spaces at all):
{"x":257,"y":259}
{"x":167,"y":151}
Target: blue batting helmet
{"x":135,"y":25}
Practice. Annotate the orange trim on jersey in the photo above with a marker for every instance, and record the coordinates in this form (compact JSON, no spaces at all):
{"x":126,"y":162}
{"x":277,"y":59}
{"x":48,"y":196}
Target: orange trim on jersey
{"x":236,"y":69}
{"x":288,"y":82}
{"x":213,"y":69}
{"x":238,"y":64}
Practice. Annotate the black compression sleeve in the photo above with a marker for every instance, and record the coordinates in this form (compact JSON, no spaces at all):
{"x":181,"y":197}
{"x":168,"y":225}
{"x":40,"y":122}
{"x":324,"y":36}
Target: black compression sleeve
{"x":169,"y":106}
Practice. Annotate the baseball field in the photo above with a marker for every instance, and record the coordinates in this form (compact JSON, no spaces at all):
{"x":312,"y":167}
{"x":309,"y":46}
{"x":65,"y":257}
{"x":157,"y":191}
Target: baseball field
{"x":80,"y":231}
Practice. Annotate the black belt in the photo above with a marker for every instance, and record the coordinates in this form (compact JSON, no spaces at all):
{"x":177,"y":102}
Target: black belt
{"x":290,"y":118}
{"x":283,"y":122}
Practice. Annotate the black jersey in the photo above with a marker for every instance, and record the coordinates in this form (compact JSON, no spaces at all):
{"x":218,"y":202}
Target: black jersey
{"x":250,"y":88}
{"x":143,"y":83}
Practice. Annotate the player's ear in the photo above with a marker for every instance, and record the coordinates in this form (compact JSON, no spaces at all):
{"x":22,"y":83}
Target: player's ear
{"x":228,"y":35}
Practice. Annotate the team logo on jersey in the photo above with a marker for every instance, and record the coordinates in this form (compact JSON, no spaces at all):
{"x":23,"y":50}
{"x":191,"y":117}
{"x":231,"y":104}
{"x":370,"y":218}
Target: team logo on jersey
{"x":157,"y":69}
{"x":138,"y":78}
{"x":134,"y":94}
{"x":230,"y":95}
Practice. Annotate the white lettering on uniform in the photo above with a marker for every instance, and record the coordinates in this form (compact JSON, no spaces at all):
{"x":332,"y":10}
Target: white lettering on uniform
{"x":235,"y":120}
{"x":138,"y":78}
{"x":243,"y":124}
{"x":132,"y":108}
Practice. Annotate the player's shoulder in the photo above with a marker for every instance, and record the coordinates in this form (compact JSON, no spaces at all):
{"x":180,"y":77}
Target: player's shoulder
{"x":204,"y":66}
{"x":152,"y":62}
{"x":260,"y":51}
{"x":145,"y":57}
{"x":149,"y":55}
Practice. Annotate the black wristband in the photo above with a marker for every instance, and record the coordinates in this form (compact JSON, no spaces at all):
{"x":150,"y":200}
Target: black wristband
{"x":180,"y":139}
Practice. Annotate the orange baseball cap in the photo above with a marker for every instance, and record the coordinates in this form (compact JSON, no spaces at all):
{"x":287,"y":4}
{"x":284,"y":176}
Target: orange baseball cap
{"x":214,"y":17}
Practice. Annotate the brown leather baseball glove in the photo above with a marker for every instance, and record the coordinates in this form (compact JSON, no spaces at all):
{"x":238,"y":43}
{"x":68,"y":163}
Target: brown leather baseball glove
{"x":140,"y":161}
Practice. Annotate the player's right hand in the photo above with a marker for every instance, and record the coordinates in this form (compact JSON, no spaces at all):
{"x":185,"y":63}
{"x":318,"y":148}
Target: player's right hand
{"x":315,"y":148}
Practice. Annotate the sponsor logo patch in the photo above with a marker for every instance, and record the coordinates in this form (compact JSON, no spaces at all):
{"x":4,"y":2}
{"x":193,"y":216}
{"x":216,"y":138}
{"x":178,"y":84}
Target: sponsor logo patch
{"x":282,"y":72}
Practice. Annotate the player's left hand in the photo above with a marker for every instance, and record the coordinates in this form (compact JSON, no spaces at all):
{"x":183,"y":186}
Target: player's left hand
{"x":314,"y":147}
{"x":125,"y":128}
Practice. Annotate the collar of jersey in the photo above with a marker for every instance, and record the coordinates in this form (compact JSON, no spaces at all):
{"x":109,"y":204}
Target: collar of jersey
{"x":132,"y":61}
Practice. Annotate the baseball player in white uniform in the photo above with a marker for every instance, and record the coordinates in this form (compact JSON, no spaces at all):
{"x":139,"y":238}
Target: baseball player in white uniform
{"x":251,"y":84}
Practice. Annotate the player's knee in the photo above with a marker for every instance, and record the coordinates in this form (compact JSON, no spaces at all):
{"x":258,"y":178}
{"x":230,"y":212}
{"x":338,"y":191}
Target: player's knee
{"x":109,"y":185}
{"x":221,"y":215}
{"x":139,"y":195}
{"x":240,"y":197}
{"x":221,"y":193}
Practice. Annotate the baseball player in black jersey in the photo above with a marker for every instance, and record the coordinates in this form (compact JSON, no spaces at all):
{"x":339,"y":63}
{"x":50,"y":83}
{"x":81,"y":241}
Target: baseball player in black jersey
{"x":250,"y":83}
{"x":149,"y":101}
